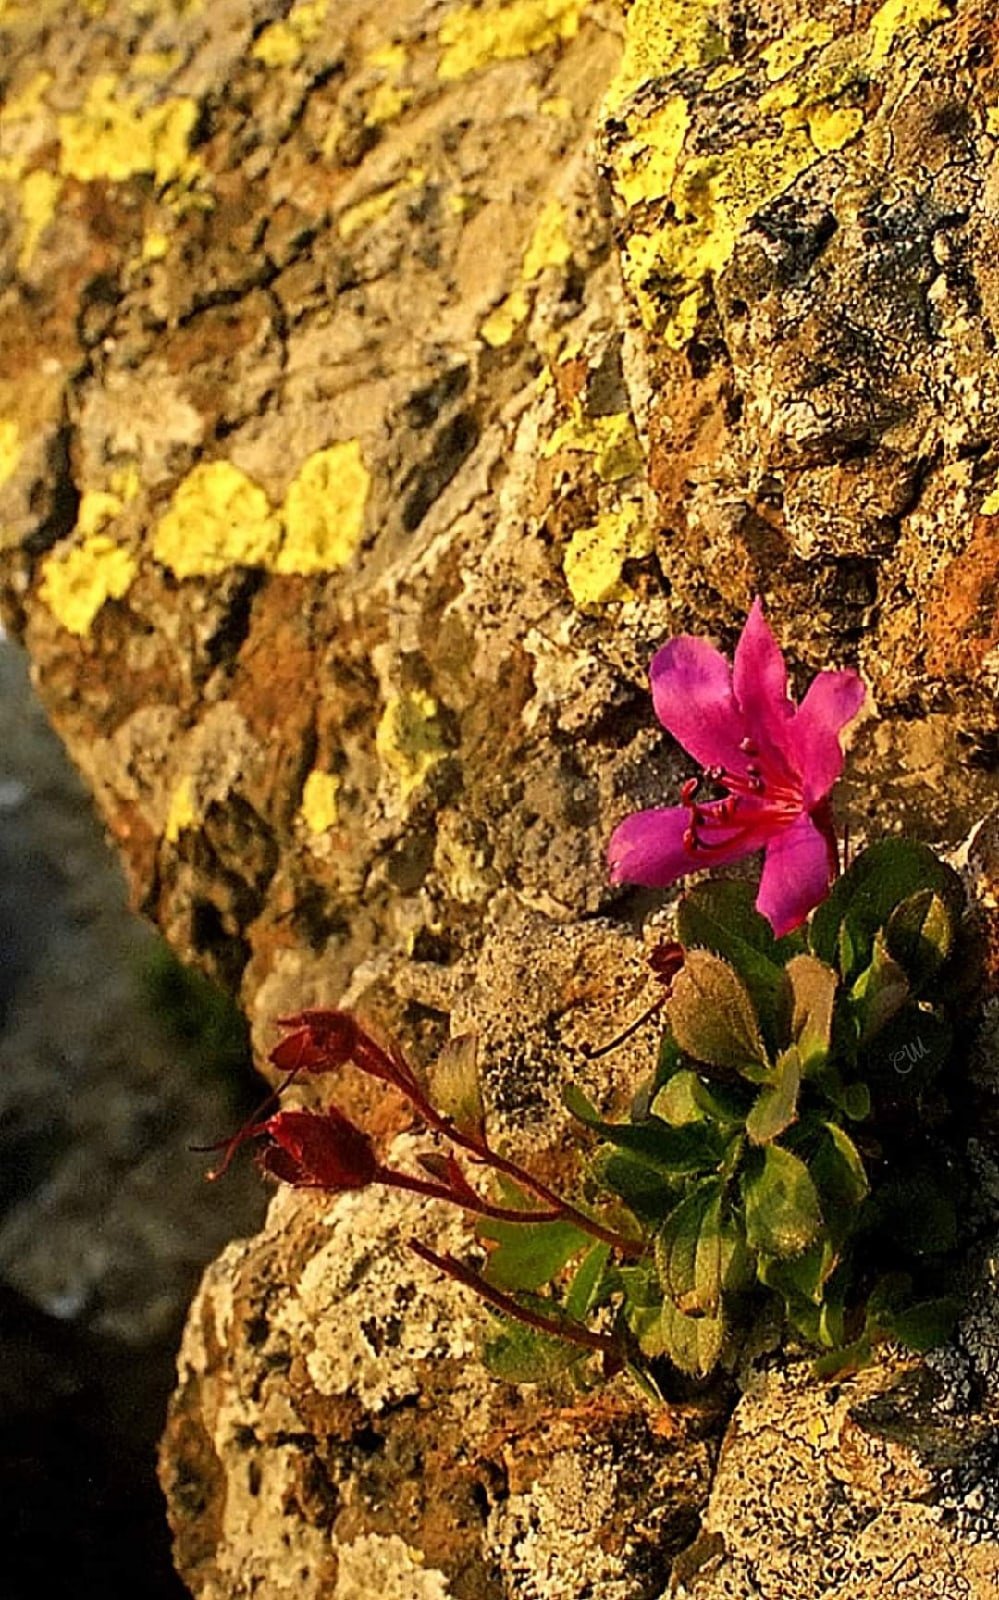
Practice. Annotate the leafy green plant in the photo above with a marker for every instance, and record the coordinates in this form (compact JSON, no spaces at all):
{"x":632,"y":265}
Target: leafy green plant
{"x":788,"y":1155}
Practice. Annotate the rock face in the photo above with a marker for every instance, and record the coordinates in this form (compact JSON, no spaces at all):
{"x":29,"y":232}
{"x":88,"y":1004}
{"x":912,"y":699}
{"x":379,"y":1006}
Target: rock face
{"x":379,"y":384}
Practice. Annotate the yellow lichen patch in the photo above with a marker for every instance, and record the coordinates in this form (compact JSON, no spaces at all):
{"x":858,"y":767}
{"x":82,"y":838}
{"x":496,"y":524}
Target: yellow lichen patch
{"x":714,"y":196}
{"x":218,"y":518}
{"x":40,"y":193}
{"x":361,"y":215}
{"x":646,"y":164}
{"x":791,"y":49}
{"x":992,"y":120}
{"x":320,"y":809}
{"x":472,"y":37}
{"x":549,"y":246}
{"x":898,"y":16}
{"x":113,"y":136}
{"x":75,"y":583}
{"x":612,"y":441}
{"x":557,"y":106}
{"x":409,"y":738}
{"x":594,"y":558}
{"x":502,"y":323}
{"x":663,"y":37}
{"x":98,"y":507}
{"x":155,"y":245}
{"x":831,"y":130}
{"x":283,"y":44}
{"x":990,"y":505}
{"x":10,"y":448}
{"x":324,"y":511}
{"x":387,"y":102}
{"x":182,"y":812}
{"x":28,"y":103}
{"x":155,"y":63}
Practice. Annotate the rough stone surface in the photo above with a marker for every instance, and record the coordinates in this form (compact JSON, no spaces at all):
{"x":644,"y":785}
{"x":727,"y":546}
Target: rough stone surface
{"x":382,"y":382}
{"x":332,"y":1423}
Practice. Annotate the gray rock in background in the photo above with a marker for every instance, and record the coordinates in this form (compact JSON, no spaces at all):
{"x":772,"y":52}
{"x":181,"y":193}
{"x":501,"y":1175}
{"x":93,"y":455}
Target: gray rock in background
{"x":105,"y":1220}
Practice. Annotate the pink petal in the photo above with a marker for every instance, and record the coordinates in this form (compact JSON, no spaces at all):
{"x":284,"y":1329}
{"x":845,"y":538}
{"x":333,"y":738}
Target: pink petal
{"x":833,"y":699}
{"x":648,"y":847}
{"x":692,"y":694}
{"x":759,"y":679}
{"x":797,"y":873}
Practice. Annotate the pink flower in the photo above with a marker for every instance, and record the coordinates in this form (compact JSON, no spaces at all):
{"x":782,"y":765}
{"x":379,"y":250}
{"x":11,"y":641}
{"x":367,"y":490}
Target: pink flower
{"x":776,"y":761}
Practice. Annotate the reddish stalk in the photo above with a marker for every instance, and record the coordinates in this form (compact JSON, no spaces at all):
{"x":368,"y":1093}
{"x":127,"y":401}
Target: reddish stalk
{"x":572,"y":1332}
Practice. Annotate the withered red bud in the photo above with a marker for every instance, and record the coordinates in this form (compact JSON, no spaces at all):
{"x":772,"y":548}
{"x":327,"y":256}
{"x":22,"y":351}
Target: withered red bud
{"x":666,"y":960}
{"x":319,"y":1150}
{"x":320,"y":1042}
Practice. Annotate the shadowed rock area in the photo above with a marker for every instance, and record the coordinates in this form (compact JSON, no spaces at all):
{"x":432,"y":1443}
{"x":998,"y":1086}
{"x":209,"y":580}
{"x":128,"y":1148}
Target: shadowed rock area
{"x":105,"y":1221}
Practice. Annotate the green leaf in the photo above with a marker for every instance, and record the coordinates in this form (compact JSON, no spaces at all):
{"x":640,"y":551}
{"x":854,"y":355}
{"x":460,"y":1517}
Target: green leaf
{"x":643,"y":1188}
{"x":712,"y":1017}
{"x":925,"y":1324}
{"x":673,"y":1151}
{"x":520,"y":1354}
{"x":844,"y":1360}
{"x":880,"y":992}
{"x":693,"y":1344}
{"x":802,"y":1277}
{"x":813,"y":992}
{"x":882,"y":876}
{"x":781,"y":1201}
{"x":920,"y":935}
{"x":777,"y":1106}
{"x":584,"y":1291}
{"x":839,"y":1175}
{"x":692,"y":1250}
{"x":686,"y":1098}
{"x":454,"y":1084}
{"x":529,"y":1254}
{"x":720,"y":916}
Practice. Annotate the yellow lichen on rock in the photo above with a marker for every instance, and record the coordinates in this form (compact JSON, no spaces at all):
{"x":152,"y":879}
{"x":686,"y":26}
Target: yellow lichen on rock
{"x":357,"y":217}
{"x":594,"y":558}
{"x":320,"y":809}
{"x":898,"y":16}
{"x":549,"y":246}
{"x":503,"y":30}
{"x":39,"y":191}
{"x":323,"y":511}
{"x":409,"y":738}
{"x":664,"y":36}
{"x":611,"y":440}
{"x":818,"y":90}
{"x":10,"y":448}
{"x":76,"y":582}
{"x":182,"y":812}
{"x":283,"y":43}
{"x":218,"y":518}
{"x":113,"y":136}
{"x":647,"y":163}
{"x":502,"y":323}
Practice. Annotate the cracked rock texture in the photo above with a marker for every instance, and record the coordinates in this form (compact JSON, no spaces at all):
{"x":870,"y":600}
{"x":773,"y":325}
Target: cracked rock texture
{"x":379,"y":384}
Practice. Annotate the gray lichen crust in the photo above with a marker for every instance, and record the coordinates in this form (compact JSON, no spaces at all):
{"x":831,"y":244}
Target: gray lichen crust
{"x":332,"y":1423}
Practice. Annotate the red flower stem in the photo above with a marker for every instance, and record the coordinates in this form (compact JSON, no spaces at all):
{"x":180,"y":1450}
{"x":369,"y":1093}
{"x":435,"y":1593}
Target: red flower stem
{"x":478,"y":1206}
{"x":573,"y":1332}
{"x":568,"y":1212}
{"x":633,"y":1027}
{"x":477,"y":1146}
